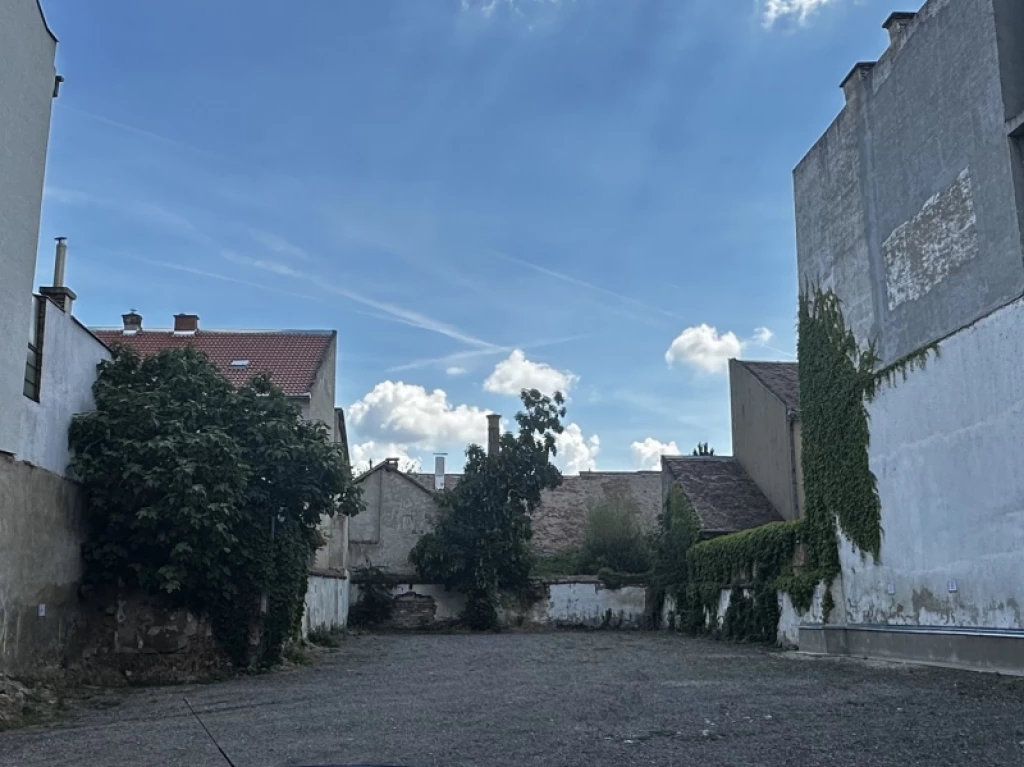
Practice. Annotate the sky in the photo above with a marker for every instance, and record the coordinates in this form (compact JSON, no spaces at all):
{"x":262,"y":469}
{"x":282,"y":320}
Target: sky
{"x":593,"y":196}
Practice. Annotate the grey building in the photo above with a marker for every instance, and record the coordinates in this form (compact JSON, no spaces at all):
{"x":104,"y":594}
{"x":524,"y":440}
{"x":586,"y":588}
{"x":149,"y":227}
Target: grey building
{"x":911,"y":209}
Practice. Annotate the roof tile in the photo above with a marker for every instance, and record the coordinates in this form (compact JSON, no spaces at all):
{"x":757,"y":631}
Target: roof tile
{"x":292,"y":358}
{"x":724,"y":496}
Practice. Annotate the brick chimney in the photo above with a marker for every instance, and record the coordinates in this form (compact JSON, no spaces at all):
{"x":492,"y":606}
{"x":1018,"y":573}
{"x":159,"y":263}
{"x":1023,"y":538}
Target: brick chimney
{"x":186,"y":324}
{"x":59,"y":293}
{"x":132,"y":322}
{"x":493,"y":433}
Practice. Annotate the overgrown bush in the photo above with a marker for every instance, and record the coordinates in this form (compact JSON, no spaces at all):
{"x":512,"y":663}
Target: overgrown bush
{"x":480,"y":542}
{"x":614,"y":541}
{"x":375,"y":603}
{"x":209,"y":495}
{"x":564,"y":562}
{"x":325,"y":637}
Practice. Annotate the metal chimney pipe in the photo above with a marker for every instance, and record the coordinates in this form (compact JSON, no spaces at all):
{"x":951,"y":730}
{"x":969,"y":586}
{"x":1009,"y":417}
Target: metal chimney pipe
{"x":493,"y":433}
{"x":61,"y":260}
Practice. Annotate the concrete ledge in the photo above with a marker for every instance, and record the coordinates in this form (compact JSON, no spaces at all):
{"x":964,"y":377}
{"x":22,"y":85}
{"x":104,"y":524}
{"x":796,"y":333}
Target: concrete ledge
{"x":977,"y":649}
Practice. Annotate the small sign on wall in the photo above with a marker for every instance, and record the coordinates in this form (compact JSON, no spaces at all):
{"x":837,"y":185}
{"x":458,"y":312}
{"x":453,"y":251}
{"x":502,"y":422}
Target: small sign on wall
{"x":42,"y":611}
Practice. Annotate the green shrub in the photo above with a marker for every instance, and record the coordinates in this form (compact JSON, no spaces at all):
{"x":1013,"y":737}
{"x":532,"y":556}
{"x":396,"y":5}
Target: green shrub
{"x":565,"y":562}
{"x":614,"y":541}
{"x":375,"y":602}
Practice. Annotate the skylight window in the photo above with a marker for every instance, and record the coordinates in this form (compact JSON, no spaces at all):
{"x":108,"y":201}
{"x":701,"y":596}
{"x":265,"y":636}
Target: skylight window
{"x":239,"y":363}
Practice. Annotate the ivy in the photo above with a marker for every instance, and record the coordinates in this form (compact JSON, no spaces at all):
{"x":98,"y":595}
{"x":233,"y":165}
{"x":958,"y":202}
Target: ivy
{"x":480,"y":543}
{"x":206,"y":494}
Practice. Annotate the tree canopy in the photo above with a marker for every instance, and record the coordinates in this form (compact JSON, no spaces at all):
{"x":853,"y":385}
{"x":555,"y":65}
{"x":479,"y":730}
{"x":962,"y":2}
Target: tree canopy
{"x":480,"y":543}
{"x":209,"y":494}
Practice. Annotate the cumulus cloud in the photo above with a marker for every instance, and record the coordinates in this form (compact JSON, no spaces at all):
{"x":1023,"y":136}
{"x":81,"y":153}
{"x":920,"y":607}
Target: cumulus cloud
{"x":408,"y":414}
{"x":365,"y":452}
{"x":704,"y":348}
{"x":801,"y":10}
{"x":512,"y":375}
{"x":455,"y":370}
{"x":576,"y":452}
{"x":647,"y":454}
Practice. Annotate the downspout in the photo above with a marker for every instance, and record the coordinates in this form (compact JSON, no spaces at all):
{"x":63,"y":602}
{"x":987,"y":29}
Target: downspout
{"x":792,"y":417}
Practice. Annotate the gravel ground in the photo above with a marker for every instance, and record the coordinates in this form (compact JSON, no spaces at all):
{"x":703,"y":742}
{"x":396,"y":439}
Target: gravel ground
{"x":576,"y":698}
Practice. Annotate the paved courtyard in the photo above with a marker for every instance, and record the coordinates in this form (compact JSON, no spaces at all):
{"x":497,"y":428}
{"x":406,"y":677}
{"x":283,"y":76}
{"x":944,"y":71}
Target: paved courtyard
{"x":594,"y":699}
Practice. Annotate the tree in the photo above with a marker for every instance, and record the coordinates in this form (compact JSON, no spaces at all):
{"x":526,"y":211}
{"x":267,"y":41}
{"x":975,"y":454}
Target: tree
{"x":209,"y":495}
{"x":702,"y":449}
{"x":480,"y":543}
{"x":614,"y":540}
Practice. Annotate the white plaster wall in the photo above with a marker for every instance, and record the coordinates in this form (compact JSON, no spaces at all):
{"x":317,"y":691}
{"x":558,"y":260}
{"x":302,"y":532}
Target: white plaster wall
{"x":26,"y":89}
{"x":327,"y":601}
{"x":70,"y":356}
{"x":586,"y":604}
{"x":790,"y":619}
{"x":947,"y":450}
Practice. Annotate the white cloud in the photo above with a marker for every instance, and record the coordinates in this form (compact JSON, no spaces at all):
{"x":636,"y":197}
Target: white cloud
{"x":647,"y":454}
{"x":704,"y":348}
{"x":409,"y":414}
{"x":455,"y":370}
{"x":516,"y":373}
{"x":576,"y":453}
{"x":365,"y":452}
{"x":800,"y":9}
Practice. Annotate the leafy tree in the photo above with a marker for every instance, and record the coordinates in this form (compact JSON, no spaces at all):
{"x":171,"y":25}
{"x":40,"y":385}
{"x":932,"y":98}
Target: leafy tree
{"x":480,"y":544}
{"x":702,"y":449}
{"x":207,"y":494}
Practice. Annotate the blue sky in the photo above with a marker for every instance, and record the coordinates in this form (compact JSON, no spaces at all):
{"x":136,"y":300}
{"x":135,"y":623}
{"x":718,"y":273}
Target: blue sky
{"x":476,"y":194}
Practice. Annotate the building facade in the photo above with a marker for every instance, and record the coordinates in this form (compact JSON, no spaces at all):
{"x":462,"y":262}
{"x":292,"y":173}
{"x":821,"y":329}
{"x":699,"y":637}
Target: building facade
{"x":911,"y":209}
{"x":765,"y":404}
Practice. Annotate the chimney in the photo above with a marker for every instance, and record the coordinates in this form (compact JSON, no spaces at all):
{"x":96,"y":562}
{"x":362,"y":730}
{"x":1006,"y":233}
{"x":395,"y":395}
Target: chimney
{"x":439,"y":471}
{"x":132,"y":322}
{"x":896,"y":25}
{"x":59,"y":293}
{"x":493,"y":433}
{"x":852,"y":82}
{"x":186,"y":324}
{"x":391,"y":464}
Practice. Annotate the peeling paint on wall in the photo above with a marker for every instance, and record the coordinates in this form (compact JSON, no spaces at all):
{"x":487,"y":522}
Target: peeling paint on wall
{"x":922,"y":252}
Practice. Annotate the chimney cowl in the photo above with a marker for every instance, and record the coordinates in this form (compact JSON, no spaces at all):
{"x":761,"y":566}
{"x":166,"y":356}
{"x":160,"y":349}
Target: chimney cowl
{"x":132,"y":322}
{"x":186,"y":324}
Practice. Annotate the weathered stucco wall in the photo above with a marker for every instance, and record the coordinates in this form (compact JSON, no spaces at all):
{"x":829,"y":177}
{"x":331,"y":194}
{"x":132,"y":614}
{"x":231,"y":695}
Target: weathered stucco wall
{"x":327,"y":600}
{"x":70,"y":357}
{"x":568,"y":602}
{"x":946,"y":449}
{"x":761,"y":439}
{"x":40,"y":565}
{"x":27,"y":51}
{"x":398,"y":512}
{"x":906,"y":207}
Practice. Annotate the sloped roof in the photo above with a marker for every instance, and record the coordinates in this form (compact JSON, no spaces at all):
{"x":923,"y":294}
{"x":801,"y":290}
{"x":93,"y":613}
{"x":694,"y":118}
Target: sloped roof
{"x":724,"y":496}
{"x":291,"y":357}
{"x":780,"y":378}
{"x":559,"y":522}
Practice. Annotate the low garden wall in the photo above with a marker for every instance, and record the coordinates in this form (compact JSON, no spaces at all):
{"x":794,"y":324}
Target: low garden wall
{"x":563,"y":602}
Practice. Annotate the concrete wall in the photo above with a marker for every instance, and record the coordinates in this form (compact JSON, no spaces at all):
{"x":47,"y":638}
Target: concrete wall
{"x":41,"y":534}
{"x":946,"y":449}
{"x":327,"y":600}
{"x":71,"y":355}
{"x":398,"y":512}
{"x":762,"y":439}
{"x":566,"y":602}
{"x":27,"y":73}
{"x":321,"y":399}
{"x":907,"y":206}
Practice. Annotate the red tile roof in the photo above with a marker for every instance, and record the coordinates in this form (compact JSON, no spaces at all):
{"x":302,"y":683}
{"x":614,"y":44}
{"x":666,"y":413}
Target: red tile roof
{"x":291,"y":357}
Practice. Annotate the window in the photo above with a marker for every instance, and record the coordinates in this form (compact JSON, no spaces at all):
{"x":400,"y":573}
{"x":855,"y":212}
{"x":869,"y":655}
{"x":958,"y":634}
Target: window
{"x":239,"y":363}
{"x":34,"y":363}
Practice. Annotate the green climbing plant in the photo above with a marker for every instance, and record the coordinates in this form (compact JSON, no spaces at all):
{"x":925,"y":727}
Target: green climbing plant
{"x":207,"y":494}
